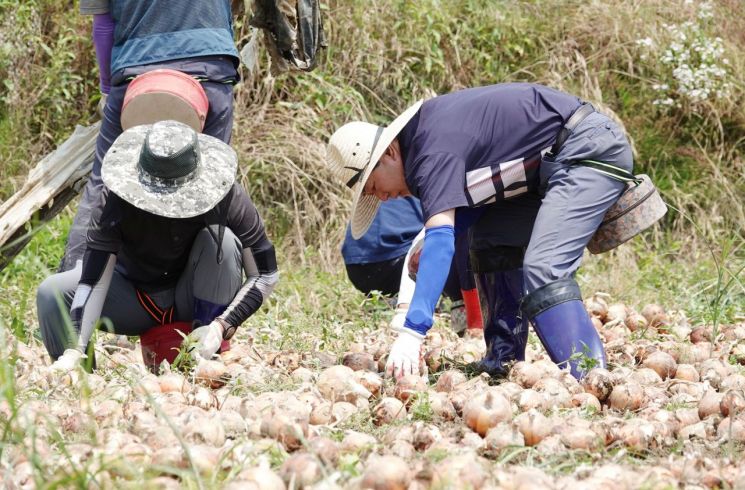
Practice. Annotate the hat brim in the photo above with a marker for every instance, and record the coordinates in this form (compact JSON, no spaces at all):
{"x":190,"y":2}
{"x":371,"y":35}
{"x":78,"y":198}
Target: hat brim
{"x":211,"y":181}
{"x":364,"y":208}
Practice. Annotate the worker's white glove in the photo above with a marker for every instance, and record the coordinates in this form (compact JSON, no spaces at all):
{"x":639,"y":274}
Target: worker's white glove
{"x":399,"y":317}
{"x":208,"y":339}
{"x":405,"y":354}
{"x":69,"y":360}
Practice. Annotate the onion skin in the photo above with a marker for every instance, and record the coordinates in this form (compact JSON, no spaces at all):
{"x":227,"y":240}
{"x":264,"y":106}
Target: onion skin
{"x":662,"y":363}
{"x":388,"y":410}
{"x":534,"y":427}
{"x":599,"y":383}
{"x":627,"y":396}
{"x":386,"y":473}
{"x":485,"y":411}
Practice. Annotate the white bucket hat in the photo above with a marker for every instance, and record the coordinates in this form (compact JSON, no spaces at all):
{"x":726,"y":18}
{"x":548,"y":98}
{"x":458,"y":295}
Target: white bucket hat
{"x":352,"y":154}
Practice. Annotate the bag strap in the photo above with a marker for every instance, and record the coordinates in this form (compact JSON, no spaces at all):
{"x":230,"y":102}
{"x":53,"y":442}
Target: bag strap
{"x":611,"y":171}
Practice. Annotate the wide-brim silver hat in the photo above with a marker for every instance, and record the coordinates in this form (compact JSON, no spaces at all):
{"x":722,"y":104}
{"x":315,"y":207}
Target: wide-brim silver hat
{"x":209,"y":175}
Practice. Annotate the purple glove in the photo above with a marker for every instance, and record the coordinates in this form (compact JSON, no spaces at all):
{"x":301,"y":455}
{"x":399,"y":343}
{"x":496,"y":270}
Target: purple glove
{"x":103,"y":40}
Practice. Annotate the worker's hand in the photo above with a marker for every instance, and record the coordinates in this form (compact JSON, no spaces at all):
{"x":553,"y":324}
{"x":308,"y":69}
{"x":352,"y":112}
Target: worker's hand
{"x":406,"y":352}
{"x":208,"y":339}
{"x":102,"y":105}
{"x":68,"y":361}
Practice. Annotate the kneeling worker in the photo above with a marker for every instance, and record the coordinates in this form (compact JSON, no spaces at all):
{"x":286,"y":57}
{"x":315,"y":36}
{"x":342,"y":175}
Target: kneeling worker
{"x":169,"y":243}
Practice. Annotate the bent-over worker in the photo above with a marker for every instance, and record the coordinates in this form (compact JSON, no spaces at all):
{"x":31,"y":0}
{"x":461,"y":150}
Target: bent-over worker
{"x":519,"y":147}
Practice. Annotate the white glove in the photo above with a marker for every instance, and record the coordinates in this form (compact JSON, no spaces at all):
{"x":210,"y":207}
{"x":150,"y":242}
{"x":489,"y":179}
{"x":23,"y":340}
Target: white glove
{"x":208,"y":339}
{"x":405,"y":354}
{"x":399,"y":317}
{"x":68,"y":361}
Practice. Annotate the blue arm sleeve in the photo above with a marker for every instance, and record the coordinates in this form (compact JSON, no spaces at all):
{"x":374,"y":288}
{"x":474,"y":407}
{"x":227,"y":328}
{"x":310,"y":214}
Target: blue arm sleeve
{"x":434,"y":266}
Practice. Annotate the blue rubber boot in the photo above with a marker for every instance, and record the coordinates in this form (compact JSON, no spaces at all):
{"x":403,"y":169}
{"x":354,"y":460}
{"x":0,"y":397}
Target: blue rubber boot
{"x":564,"y":328}
{"x":505,"y":333}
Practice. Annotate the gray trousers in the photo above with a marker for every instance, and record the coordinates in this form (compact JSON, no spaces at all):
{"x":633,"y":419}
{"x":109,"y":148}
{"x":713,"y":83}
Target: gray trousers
{"x":203,"y":278}
{"x":555,"y":224}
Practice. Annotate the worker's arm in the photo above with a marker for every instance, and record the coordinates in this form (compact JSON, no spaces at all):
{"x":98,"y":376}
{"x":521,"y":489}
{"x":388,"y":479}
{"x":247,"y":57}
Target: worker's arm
{"x":260,"y":266}
{"x":98,"y":269}
{"x":434,"y":266}
{"x":103,"y":41}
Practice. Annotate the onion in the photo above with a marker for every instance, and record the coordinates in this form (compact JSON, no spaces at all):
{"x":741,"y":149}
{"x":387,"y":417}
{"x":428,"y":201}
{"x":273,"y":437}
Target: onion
{"x":449,"y":379}
{"x":437,"y":358}
{"x":597,"y":306}
{"x":534,"y":427}
{"x":173,"y":382}
{"x":302,"y":375}
{"x":733,"y":382}
{"x":402,"y":449}
{"x":687,"y":416}
{"x":635,"y":321}
{"x":338,"y":383}
{"x":700,"y":334}
{"x":341,"y":411}
{"x":732,"y":404}
{"x":551,"y":446}
{"x":460,"y":471}
{"x":485,"y":411}
{"x":599,"y":383}
{"x":627,"y":396}
{"x":389,"y":410}
{"x":360,"y":361}
{"x":646,"y":376}
{"x":525,"y":374}
{"x":371,"y":381}
{"x":211,"y":373}
{"x":709,"y":404}
{"x":386,"y":473}
{"x":617,"y":313}
{"x":442,"y":407}
{"x":637,"y":434}
{"x":655,"y":315}
{"x":581,"y":438}
{"x":686,"y":372}
{"x":425,"y":435}
{"x":357,"y":442}
{"x":662,"y":363}
{"x":301,"y":470}
{"x":260,"y":478}
{"x":285,"y":428}
{"x":586,"y":401}
{"x":555,"y":392}
{"x":731,"y":429}
{"x":530,"y":399}
{"x":408,"y":386}
{"x":326,"y":449}
{"x":501,"y":436}
{"x":713,"y":371}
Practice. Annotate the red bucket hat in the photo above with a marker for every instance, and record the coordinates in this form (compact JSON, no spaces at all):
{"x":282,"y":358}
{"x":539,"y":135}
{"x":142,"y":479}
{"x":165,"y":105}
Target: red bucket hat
{"x":161,"y":95}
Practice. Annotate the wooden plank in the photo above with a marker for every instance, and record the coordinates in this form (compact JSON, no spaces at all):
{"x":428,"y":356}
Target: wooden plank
{"x":55,"y":180}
